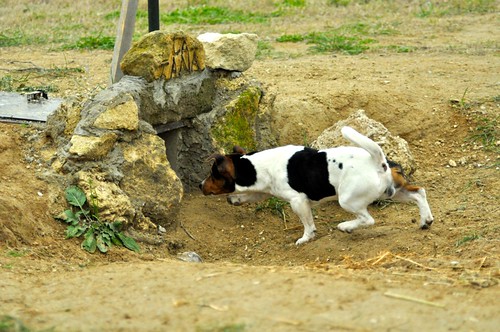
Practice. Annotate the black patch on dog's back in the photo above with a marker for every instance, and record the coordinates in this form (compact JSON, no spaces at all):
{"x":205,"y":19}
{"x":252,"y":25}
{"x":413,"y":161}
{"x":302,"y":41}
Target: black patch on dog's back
{"x":246,"y":175}
{"x":308,"y":174}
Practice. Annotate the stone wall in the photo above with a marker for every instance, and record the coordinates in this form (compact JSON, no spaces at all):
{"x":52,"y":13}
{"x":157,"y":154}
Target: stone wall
{"x":140,"y":143}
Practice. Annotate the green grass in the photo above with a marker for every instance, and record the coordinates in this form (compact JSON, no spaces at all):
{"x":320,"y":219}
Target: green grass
{"x":486,"y":132}
{"x":11,"y":324}
{"x":98,"y":42}
{"x":338,"y":3}
{"x":17,"y":37}
{"x":455,"y":7}
{"x":467,"y":239}
{"x":354,"y":38}
{"x":9,"y":83}
{"x":22,"y":80}
{"x":16,"y":253}
{"x":213,"y":15}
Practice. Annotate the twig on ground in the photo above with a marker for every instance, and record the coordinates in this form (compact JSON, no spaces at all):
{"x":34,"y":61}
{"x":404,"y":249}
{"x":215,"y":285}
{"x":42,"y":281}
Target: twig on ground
{"x":381,"y":257}
{"x":413,"y":299}
{"x":413,"y":262}
{"x":187,"y":232}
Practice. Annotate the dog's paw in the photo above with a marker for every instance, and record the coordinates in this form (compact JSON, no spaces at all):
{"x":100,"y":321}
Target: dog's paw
{"x":305,"y":238}
{"x":346,"y":226}
{"x":234,"y":200}
{"x":426,"y":222}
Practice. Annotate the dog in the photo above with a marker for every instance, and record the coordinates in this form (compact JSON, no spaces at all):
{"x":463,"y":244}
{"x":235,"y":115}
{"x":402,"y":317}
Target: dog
{"x":355,"y":176}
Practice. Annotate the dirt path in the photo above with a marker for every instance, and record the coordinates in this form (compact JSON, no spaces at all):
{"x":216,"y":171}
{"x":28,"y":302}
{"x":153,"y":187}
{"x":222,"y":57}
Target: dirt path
{"x":179,"y":296}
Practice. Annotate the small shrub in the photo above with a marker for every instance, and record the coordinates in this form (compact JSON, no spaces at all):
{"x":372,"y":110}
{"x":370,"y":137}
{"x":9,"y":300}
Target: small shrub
{"x":83,"y":220}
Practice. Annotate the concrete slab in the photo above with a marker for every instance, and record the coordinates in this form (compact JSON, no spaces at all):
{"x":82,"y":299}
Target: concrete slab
{"x":15,"y":107}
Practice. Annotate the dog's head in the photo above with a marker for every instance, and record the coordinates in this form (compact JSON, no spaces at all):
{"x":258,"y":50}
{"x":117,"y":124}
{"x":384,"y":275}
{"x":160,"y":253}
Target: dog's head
{"x":222,"y":177}
{"x":399,"y":177}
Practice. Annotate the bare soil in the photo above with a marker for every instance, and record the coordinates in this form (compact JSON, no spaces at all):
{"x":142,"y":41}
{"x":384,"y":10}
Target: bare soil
{"x":388,"y":277}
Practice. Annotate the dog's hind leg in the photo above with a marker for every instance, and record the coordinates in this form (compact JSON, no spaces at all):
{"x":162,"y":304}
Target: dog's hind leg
{"x":303,"y":209}
{"x":363,"y":218}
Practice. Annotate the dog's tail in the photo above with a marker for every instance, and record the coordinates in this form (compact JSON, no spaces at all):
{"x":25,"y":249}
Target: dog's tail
{"x":367,"y":144}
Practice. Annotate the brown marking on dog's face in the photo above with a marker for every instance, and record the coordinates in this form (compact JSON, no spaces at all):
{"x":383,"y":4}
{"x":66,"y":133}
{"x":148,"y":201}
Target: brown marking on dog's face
{"x":222,"y":176}
{"x":400,"y":180}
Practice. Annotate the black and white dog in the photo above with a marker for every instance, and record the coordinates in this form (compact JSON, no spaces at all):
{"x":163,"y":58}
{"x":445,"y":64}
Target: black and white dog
{"x":355,"y":176}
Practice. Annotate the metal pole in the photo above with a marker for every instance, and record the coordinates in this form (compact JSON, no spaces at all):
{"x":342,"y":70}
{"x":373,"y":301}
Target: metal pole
{"x":153,"y":15}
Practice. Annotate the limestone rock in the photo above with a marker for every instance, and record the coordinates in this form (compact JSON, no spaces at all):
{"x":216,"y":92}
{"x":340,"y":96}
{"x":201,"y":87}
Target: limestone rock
{"x":151,"y":183}
{"x":112,"y":202}
{"x":122,"y":116}
{"x":162,"y":54}
{"x":234,"y":52}
{"x":394,"y":147}
{"x":90,"y":147}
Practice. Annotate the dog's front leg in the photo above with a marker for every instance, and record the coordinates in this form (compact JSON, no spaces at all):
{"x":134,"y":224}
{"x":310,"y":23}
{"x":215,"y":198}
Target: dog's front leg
{"x":241,"y":198}
{"x":302,"y":208}
{"x":420,"y":198}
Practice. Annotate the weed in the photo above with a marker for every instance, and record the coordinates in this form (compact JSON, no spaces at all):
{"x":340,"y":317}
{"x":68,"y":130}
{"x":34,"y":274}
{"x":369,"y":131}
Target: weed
{"x":467,"y":238}
{"x":486,"y":132}
{"x":16,"y":253}
{"x":6,"y":83}
{"x":264,"y":49}
{"x":85,"y":221}
{"x":9,"y":323}
{"x":275,"y":205}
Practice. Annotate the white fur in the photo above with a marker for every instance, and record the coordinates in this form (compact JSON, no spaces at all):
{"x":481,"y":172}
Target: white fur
{"x":361,"y":181}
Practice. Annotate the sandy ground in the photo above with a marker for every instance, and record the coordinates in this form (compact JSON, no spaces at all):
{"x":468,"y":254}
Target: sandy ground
{"x":390,"y":277}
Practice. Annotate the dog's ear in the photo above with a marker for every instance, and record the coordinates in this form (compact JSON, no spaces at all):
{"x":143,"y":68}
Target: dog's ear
{"x":239,"y":149}
{"x":216,"y":157}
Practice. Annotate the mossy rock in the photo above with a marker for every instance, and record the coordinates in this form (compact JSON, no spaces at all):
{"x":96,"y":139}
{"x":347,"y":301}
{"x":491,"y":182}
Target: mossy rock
{"x":237,"y":126}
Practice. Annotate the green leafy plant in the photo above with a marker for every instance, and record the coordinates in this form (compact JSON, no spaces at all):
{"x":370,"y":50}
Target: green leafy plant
{"x":83,"y":220}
